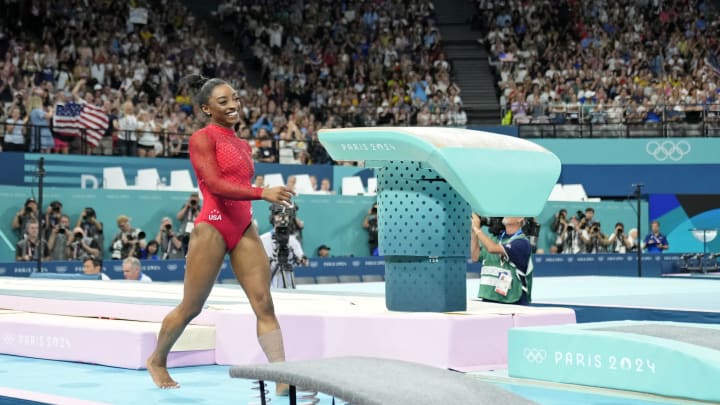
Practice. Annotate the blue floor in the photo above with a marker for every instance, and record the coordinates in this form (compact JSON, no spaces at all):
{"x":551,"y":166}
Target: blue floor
{"x":204,"y":385}
{"x":668,"y":293}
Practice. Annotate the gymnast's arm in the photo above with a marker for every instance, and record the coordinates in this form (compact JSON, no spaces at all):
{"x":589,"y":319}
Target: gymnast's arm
{"x":202,"y":156}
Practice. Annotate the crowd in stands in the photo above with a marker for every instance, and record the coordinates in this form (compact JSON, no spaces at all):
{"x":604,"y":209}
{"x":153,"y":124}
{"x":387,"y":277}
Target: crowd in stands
{"x":357,"y":64}
{"x":353,"y":63}
{"x":603,"y":61}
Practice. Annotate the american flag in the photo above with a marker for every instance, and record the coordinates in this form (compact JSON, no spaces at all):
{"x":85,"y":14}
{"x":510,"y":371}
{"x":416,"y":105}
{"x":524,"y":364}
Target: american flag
{"x":70,"y":118}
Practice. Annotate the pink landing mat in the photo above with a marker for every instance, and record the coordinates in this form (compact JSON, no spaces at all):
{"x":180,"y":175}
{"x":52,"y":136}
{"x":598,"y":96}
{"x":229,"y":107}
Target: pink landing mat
{"x":315,"y":325}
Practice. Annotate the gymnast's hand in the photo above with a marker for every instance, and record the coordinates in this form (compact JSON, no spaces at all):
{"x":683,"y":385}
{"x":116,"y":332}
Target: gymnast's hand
{"x":278,"y":195}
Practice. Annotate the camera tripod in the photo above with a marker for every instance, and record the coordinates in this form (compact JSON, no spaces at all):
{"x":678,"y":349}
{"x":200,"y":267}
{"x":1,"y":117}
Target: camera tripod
{"x":286,"y":275}
{"x":284,"y":267}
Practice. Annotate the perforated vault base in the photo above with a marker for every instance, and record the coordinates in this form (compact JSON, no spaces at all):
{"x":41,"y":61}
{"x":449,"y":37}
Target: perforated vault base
{"x":423,"y":237}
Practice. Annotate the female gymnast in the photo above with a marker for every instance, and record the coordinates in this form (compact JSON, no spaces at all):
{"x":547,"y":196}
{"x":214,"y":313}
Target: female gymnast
{"x":224,"y":168}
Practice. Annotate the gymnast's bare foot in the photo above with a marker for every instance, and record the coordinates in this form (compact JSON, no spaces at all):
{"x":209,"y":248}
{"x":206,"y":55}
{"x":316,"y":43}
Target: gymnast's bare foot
{"x":282,"y":390}
{"x":160,"y":375}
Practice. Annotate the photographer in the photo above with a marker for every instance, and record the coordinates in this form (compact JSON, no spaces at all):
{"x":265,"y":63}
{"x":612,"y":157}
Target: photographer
{"x":371,"y":224}
{"x":618,"y":241}
{"x":29,"y":212}
{"x":91,"y":227}
{"x":531,"y":229}
{"x":559,"y":227}
{"x":187,"y":216}
{"x":593,"y":239}
{"x":52,"y":216}
{"x":572,"y":244}
{"x":59,"y":239}
{"x":28,"y":248}
{"x":128,"y":241}
{"x":506,"y":274}
{"x":283,"y":249}
{"x":81,"y":246}
{"x":171,"y":247}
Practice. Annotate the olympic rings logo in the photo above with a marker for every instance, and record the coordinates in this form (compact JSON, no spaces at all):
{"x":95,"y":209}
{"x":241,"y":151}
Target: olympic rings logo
{"x":534,"y":355}
{"x":668,"y":150}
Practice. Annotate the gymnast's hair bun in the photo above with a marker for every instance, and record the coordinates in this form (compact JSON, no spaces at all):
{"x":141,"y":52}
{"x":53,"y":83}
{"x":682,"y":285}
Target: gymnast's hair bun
{"x":194,"y":82}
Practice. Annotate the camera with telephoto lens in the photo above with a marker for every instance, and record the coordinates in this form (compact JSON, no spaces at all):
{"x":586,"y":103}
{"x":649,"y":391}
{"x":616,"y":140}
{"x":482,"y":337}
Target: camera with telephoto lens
{"x":168,"y":227}
{"x":55,"y":206}
{"x":78,"y":236}
{"x":28,"y":210}
{"x":595,"y":228}
{"x":140,"y":235}
{"x":494,"y":224}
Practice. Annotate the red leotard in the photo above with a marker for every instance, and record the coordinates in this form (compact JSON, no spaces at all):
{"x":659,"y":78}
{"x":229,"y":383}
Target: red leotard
{"x":224,"y":168}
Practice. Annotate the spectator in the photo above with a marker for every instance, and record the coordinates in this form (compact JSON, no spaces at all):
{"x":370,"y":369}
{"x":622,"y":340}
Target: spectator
{"x":655,"y":241}
{"x":128,"y":123}
{"x":29,"y":248}
{"x":41,"y":140}
{"x":259,"y":181}
{"x":148,"y":138}
{"x":131,"y":270}
{"x":325,"y":187}
{"x":93,"y":266}
{"x":14,"y":140}
{"x":266,"y":151}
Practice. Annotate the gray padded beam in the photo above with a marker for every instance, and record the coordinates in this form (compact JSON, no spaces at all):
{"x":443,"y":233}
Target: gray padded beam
{"x":371,"y":381}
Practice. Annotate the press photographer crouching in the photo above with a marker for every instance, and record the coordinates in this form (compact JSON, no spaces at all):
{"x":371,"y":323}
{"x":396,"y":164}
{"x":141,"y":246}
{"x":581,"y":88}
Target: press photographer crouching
{"x":594,"y":240}
{"x":128,"y":241}
{"x":618,"y":241}
{"x":282,"y":248}
{"x":170,"y":246}
{"x":506,"y":274}
{"x":92,"y":227}
{"x":80,"y":246}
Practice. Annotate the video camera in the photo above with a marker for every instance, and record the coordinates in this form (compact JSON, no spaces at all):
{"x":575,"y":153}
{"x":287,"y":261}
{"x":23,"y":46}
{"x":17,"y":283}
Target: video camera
{"x":282,"y":218}
{"x":531,"y":228}
{"x":494,"y":224}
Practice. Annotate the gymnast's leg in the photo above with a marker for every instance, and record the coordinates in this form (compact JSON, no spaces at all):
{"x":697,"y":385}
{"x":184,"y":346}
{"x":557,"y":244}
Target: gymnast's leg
{"x":252,"y":270}
{"x":204,"y":259}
